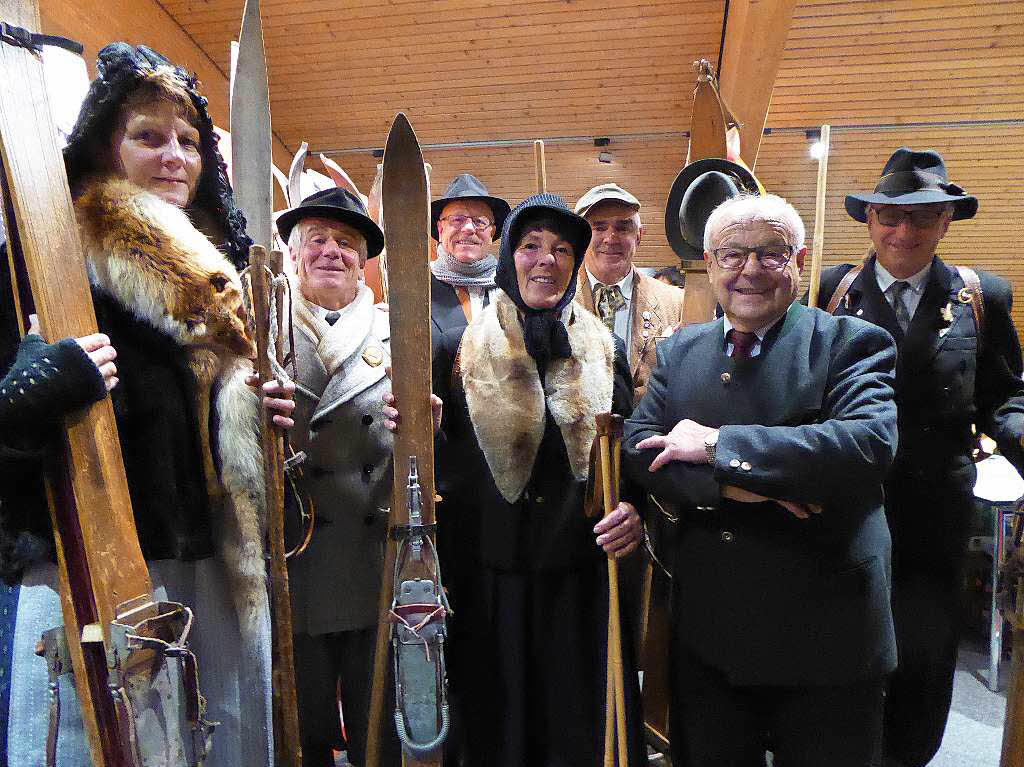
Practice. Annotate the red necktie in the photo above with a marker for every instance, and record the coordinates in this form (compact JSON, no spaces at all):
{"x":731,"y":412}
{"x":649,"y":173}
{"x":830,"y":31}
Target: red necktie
{"x":741,"y":342}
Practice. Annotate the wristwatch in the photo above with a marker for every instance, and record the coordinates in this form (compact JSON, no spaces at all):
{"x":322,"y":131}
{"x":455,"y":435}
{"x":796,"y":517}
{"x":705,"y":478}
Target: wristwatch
{"x":711,"y":445}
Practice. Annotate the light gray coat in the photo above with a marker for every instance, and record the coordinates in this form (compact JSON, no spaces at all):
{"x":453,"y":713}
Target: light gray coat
{"x":339,"y":423}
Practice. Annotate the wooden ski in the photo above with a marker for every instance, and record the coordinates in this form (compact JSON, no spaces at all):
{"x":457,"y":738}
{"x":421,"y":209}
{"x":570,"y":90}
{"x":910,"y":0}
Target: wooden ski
{"x":406,"y":228}
{"x":99,"y":559}
{"x":253,"y":186}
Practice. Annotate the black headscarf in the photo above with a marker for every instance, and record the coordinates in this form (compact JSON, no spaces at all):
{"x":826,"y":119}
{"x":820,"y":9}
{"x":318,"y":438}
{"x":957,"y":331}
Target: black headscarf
{"x":121,"y":69}
{"x":543,"y":331}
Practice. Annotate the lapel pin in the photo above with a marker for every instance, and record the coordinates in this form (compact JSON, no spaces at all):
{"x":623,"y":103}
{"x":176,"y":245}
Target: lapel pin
{"x":947,"y":313}
{"x":860,"y":312}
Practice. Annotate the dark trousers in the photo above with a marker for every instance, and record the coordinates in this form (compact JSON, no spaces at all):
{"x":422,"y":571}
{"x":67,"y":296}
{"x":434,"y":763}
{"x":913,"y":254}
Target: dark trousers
{"x":929,"y":524}
{"x":333,"y":667}
{"x":716,"y":724}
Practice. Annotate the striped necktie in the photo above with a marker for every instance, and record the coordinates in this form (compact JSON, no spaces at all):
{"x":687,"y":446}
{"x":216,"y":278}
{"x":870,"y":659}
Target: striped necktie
{"x":897,"y":291}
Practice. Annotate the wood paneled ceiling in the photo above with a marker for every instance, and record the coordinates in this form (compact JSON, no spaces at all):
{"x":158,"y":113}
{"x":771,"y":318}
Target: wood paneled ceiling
{"x":947,"y":74}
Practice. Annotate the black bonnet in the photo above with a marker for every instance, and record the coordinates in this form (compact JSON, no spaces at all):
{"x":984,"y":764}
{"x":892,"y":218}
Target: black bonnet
{"x":121,"y":69}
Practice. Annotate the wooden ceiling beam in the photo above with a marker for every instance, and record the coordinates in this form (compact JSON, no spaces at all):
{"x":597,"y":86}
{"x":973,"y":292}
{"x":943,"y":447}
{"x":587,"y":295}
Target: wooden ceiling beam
{"x":753,"y":45}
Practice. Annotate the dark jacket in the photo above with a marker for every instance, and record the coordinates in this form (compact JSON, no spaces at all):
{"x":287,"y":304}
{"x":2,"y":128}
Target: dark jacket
{"x":946,"y":378}
{"x":154,"y":408}
{"x":763,"y":596}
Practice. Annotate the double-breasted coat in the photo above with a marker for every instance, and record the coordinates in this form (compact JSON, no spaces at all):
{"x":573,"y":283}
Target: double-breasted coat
{"x":339,"y":423}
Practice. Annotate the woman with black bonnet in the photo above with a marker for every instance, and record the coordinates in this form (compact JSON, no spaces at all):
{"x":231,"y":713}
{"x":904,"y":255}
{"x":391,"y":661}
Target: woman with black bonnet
{"x":163,"y":239}
{"x":526,"y":568}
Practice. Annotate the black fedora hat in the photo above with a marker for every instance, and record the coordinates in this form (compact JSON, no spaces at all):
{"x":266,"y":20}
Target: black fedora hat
{"x":340,"y":205}
{"x":468,"y":187}
{"x":913,"y":178}
{"x":699,"y":188}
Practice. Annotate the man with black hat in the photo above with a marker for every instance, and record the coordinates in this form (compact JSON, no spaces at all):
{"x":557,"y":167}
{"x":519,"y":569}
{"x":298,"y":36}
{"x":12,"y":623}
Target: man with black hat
{"x":959,"y":365}
{"x":342,"y":351}
{"x":639,"y":310}
{"x":464,"y":221}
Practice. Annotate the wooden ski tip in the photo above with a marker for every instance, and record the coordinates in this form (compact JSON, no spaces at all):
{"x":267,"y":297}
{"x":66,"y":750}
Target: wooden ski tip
{"x":401,"y":130}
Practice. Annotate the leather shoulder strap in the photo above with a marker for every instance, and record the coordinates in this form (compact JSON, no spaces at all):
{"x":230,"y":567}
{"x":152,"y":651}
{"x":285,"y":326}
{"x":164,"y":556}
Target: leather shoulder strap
{"x":843,"y":288}
{"x":971,"y":293}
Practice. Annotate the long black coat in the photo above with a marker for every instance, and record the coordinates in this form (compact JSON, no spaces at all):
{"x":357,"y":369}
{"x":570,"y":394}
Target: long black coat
{"x":762,"y":596}
{"x":528,"y":586}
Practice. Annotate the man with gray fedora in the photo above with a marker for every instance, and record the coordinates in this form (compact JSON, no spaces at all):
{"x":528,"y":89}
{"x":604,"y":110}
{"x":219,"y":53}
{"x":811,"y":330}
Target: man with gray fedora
{"x":464,"y":222}
{"x":341,"y":348}
{"x":639,"y":310}
{"x":958,"y":366}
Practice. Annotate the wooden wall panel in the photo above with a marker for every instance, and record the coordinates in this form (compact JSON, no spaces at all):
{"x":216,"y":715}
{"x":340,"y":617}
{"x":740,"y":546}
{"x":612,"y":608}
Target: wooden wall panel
{"x":881,"y":62}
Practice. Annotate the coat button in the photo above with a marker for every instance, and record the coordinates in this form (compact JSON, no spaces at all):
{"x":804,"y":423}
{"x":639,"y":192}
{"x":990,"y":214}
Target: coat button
{"x":645,"y":334}
{"x":646,"y":315}
{"x":735,"y":463}
{"x":727,"y":536}
{"x":368,"y":468}
{"x":726,"y":378}
{"x":367,"y":419}
{"x":539,"y":499}
{"x":746,"y":466}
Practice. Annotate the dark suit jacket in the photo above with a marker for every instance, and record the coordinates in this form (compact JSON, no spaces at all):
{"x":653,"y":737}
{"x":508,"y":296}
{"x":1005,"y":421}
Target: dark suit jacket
{"x":763,"y":596}
{"x":445,"y":310}
{"x":944,"y":383}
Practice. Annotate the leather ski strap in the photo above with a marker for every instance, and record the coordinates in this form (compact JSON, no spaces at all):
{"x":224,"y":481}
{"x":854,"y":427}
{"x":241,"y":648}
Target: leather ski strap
{"x":971,"y":294}
{"x":843,"y":288}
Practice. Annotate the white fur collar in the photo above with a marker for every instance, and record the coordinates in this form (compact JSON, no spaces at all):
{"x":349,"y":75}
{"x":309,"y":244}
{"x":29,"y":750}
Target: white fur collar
{"x":507,"y":404}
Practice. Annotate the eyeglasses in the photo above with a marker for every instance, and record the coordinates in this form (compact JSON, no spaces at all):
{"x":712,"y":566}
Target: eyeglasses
{"x":770,"y":257}
{"x":921,"y":219}
{"x":460,"y":221}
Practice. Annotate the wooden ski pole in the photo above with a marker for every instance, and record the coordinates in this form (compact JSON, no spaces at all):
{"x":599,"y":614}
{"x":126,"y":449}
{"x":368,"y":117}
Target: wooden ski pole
{"x":540,"y":166}
{"x":818,"y":242}
{"x":609,"y":430}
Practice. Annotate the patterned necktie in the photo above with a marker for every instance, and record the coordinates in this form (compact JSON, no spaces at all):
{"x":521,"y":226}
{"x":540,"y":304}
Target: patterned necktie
{"x":897,"y":290}
{"x":741,"y":342}
{"x":332,"y":317}
{"x":608,"y":300}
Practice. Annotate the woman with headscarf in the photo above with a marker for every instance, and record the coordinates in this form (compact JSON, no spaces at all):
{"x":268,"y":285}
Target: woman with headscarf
{"x":526,"y":568}
{"x":163,"y":239}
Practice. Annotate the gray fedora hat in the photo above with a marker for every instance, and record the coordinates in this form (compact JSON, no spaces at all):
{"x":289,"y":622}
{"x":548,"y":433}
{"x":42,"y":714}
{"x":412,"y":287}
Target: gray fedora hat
{"x":466,"y":186}
{"x":913,"y":178}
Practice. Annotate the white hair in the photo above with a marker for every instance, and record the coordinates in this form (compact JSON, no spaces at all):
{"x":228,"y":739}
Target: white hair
{"x":751,"y":207}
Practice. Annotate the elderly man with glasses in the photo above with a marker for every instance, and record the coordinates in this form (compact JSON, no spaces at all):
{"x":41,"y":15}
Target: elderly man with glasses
{"x":959,"y":365}
{"x":464,"y":222}
{"x":772,"y":428}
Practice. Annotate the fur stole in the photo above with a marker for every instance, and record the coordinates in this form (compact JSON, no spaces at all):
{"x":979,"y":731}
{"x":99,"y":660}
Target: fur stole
{"x":148,"y":256}
{"x":507,"y":403}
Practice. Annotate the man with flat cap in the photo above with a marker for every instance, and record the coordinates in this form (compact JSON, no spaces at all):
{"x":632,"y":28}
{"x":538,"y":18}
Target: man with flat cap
{"x":638,"y":310}
{"x":341,"y":352}
{"x":959,"y":365}
{"x":464,"y":222}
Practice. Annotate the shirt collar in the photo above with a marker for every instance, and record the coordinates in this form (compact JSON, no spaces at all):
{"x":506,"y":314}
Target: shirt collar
{"x":760,"y":332}
{"x":625,"y":284}
{"x":916,"y":281}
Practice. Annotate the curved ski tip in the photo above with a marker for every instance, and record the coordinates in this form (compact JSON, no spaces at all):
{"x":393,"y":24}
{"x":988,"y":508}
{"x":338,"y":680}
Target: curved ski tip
{"x":401,"y":128}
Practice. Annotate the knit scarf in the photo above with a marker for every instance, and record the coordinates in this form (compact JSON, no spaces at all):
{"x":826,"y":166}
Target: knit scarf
{"x":458,"y":274}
